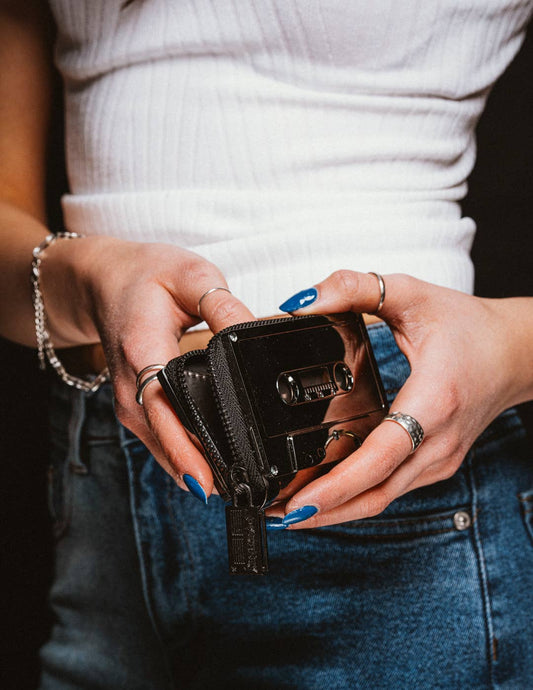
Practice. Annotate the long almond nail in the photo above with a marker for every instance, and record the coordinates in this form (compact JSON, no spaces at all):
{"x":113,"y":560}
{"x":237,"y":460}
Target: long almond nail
{"x":195,"y":488}
{"x":299,"y":515}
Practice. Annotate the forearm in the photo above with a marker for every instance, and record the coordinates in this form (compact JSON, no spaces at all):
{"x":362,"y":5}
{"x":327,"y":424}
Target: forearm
{"x":19,"y":234}
{"x":62,"y":282}
{"x":25,"y":93}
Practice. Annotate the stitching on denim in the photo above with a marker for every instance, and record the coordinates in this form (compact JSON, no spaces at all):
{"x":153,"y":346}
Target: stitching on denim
{"x":482,"y":568}
{"x":400,"y":537}
{"x":76,"y":424}
{"x":408,"y":520}
{"x":526,"y":509}
{"x":141,"y":556}
{"x":171,"y":508}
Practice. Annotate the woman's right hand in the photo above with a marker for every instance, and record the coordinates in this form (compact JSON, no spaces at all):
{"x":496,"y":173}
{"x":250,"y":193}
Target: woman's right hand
{"x":138,"y":299}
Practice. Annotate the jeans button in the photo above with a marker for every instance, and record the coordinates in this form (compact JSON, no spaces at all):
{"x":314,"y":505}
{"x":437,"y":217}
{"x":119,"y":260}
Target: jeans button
{"x":462,"y":520}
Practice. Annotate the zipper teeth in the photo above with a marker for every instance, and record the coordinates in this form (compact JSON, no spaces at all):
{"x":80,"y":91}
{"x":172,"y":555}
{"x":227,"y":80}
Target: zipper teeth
{"x":226,"y":422}
{"x":228,"y":428}
{"x":206,"y":439}
{"x":262,"y":322}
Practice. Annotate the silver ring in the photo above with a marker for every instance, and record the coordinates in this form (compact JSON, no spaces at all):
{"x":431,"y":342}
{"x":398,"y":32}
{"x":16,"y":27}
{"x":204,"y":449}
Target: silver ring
{"x":336,"y":435}
{"x":147,"y":381}
{"x":141,"y":382}
{"x":150,"y":367}
{"x":208,"y":293}
{"x":413,"y":428}
{"x":381,"y":283}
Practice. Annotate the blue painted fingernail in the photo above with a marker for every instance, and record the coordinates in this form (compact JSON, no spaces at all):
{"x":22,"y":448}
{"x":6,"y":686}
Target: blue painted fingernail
{"x":274,"y":524}
{"x":195,"y":488}
{"x":299,"y":515}
{"x":300,"y":300}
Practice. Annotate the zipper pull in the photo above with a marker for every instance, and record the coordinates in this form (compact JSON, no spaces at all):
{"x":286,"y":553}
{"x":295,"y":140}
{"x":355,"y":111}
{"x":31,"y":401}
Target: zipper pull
{"x":246,"y":530}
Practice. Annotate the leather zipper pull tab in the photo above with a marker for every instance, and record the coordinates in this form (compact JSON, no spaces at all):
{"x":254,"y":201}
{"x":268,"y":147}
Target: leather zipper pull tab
{"x":247,"y":540}
{"x":247,"y":545}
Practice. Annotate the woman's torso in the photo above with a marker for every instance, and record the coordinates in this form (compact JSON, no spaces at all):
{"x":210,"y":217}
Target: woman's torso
{"x":282,"y":140}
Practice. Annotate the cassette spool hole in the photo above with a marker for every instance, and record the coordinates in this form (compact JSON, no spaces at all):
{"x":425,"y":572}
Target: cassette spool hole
{"x":343,"y":376}
{"x":288,"y":388}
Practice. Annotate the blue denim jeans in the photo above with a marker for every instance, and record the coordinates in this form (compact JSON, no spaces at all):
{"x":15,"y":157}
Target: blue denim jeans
{"x":436,"y":592}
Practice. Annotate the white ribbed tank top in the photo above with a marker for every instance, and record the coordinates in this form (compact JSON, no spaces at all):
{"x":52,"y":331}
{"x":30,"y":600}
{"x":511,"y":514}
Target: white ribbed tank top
{"x":282,"y":139}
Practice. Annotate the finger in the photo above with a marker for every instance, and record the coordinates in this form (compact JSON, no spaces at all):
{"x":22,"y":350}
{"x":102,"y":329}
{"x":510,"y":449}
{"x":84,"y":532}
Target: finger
{"x":414,"y":472}
{"x":301,"y":479}
{"x":382,"y":452}
{"x":182,"y":455}
{"x":347,"y":290}
{"x":157,"y":426}
{"x":148,"y":439}
{"x":155,"y":419}
{"x":219,"y":308}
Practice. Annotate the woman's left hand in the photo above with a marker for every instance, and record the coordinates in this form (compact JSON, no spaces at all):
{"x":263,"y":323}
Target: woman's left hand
{"x":468,"y":357}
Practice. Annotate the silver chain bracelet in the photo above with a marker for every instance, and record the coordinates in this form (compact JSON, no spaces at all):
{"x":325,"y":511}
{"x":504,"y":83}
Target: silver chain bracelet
{"x":45,"y":349}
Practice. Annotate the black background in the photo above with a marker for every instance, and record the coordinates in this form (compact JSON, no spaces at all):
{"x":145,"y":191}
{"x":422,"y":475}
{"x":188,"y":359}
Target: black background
{"x":500,"y":200}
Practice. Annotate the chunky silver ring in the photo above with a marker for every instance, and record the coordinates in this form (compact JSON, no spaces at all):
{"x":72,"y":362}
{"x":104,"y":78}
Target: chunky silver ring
{"x":381,"y":283}
{"x":141,"y":382}
{"x":208,"y":293}
{"x":413,"y":428}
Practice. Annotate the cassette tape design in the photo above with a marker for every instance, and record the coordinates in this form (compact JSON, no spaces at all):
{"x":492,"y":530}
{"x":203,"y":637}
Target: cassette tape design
{"x":272,"y":397}
{"x":309,"y":390}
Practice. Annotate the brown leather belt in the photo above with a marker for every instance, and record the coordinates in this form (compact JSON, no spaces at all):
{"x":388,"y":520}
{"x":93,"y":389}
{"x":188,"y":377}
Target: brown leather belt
{"x":90,"y":359}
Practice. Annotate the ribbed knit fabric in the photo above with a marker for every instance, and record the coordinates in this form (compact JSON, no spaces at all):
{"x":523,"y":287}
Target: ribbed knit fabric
{"x":282,"y":139}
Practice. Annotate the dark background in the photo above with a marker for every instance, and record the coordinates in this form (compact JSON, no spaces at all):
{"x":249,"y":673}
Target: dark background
{"x":501,"y":202}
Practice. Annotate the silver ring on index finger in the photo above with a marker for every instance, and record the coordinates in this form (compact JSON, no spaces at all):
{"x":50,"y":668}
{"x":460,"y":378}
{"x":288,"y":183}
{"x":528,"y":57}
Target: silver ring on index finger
{"x":381,"y":284}
{"x":208,"y":292}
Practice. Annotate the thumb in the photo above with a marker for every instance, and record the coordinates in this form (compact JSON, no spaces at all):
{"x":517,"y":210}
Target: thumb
{"x":347,"y":290}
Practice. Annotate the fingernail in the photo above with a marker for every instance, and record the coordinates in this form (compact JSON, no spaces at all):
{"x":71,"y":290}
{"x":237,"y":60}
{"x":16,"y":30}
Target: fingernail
{"x":300,"y":299}
{"x":299,"y":515}
{"x":274,"y":524}
{"x":195,"y":488}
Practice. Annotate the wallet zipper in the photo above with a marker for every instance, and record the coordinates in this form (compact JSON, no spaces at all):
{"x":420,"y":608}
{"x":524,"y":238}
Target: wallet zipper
{"x":245,"y":524}
{"x":205,"y":438}
{"x":260,"y":322}
{"x":218,"y":398}
{"x":228,"y":428}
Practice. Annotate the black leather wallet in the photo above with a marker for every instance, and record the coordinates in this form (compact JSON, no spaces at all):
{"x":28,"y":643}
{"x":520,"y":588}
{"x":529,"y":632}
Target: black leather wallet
{"x":269,"y":398}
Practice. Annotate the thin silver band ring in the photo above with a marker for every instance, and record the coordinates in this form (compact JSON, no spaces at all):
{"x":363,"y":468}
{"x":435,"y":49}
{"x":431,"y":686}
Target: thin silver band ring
{"x":381,"y":283}
{"x":143,"y":380}
{"x":147,"y":381}
{"x":150,"y":367}
{"x":409,"y":424}
{"x":208,"y":293}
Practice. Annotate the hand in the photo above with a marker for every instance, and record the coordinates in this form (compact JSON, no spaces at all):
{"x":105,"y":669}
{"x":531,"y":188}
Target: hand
{"x":138,"y":299}
{"x":463,"y":374}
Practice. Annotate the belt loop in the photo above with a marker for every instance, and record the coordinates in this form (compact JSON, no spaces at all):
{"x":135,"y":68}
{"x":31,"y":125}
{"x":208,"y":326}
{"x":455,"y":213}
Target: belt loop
{"x":75,"y":432}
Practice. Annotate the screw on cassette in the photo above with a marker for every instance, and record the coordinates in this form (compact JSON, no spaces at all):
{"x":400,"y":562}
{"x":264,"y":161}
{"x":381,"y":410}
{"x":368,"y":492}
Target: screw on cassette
{"x":246,"y":531}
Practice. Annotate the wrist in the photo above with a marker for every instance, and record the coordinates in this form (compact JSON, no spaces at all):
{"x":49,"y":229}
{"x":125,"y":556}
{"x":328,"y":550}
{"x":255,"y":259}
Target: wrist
{"x":512,"y":324}
{"x":65,"y":284}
